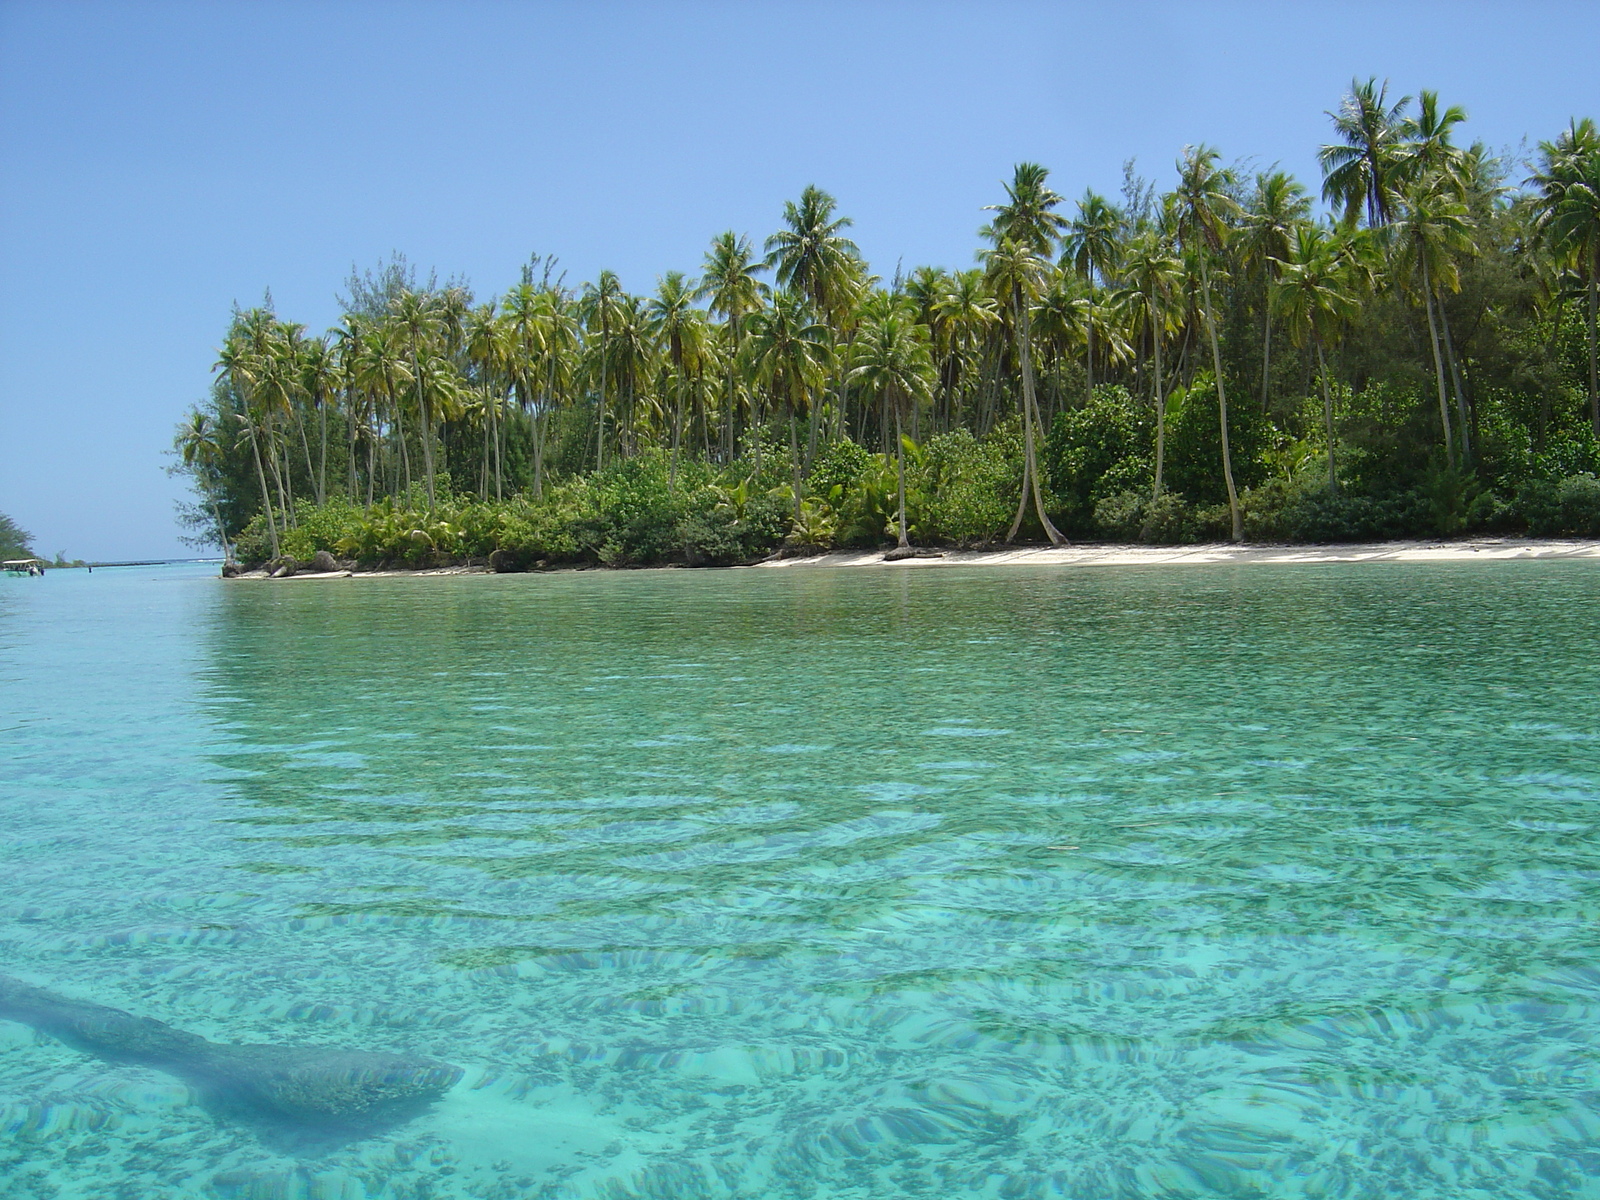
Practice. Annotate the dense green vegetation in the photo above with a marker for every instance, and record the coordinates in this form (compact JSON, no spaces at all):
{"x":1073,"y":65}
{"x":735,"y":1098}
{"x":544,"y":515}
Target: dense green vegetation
{"x":14,"y":541}
{"x":1213,"y":362}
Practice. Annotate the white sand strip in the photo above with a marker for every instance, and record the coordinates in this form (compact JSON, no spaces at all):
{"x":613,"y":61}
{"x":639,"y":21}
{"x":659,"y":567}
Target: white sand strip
{"x":1477,"y":549}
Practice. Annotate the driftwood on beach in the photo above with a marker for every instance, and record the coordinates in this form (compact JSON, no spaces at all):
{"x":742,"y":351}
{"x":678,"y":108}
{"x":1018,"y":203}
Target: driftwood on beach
{"x":306,"y":1083}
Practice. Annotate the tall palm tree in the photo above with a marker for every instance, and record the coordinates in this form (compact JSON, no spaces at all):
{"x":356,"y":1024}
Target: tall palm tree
{"x":1154,"y":275}
{"x":318,"y":382}
{"x":1367,"y":166}
{"x":1279,"y":205}
{"x":729,"y":283}
{"x":486,"y":338}
{"x":1568,"y":222}
{"x":1091,"y":247}
{"x":240,"y":369}
{"x":1314,"y":293}
{"x":1204,"y":206}
{"x":679,"y":327}
{"x":891,"y":361}
{"x":1023,"y":233}
{"x":1015,"y":271}
{"x":1433,"y":227}
{"x":966,"y":313}
{"x":602,"y":306}
{"x":789,"y":354}
{"x":419,"y":319}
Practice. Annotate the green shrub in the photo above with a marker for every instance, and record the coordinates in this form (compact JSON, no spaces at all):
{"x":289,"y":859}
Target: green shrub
{"x":1560,"y":507}
{"x":1100,"y":450}
{"x":971,"y":485}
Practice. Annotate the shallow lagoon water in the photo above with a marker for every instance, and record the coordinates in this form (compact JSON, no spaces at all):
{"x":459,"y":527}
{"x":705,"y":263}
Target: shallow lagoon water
{"x":1014,"y":882}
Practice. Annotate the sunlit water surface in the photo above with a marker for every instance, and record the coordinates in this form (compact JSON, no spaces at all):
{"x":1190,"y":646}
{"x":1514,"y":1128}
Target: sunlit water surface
{"x":1110,"y":882}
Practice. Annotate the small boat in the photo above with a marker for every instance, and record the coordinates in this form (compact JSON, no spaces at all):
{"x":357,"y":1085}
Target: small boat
{"x":23,"y":566}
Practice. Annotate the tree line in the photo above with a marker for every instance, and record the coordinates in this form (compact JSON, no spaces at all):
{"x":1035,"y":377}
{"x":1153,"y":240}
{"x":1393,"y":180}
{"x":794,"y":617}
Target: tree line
{"x":1220,"y":359}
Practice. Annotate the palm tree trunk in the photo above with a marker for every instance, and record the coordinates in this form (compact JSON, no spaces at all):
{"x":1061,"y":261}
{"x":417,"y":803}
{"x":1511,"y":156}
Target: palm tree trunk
{"x":1455,"y":383}
{"x":677,"y":434}
{"x":1438,"y":367}
{"x":266,"y":494}
{"x":1160,"y":401}
{"x":1266,"y":358}
{"x":426,"y":417}
{"x":900,"y":475}
{"x":600,"y":425}
{"x":1222,"y":408}
{"x":1594,"y":375}
{"x":1030,"y":463}
{"x":794,"y":462}
{"x":1088,"y":353}
{"x":322,"y":450}
{"x":1327,"y":415}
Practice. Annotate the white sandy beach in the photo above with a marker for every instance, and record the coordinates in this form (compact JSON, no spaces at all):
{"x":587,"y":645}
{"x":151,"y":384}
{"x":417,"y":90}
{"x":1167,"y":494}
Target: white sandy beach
{"x":1103,"y":555}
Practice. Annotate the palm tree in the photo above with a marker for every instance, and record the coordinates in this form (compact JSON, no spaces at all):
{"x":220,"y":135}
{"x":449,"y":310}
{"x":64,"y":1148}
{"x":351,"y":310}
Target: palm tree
{"x":487,"y":341}
{"x":1314,"y":293}
{"x":730,"y":284}
{"x":789,"y":354}
{"x":1091,"y":247}
{"x":419,"y":319}
{"x":1568,"y":222}
{"x":892,"y":361}
{"x":1154,"y":275}
{"x":240,"y":370}
{"x":966,"y":314}
{"x":1023,"y":234}
{"x":1432,"y":227}
{"x":1204,"y":206}
{"x":1367,"y":166}
{"x":318,"y":381}
{"x":602,"y":310}
{"x":680,"y":329}
{"x":1015,"y":271}
{"x":199,"y":444}
{"x":1280,"y":204}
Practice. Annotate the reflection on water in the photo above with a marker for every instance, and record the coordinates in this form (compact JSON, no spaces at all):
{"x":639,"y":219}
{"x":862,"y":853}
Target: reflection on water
{"x":1209,"y":882}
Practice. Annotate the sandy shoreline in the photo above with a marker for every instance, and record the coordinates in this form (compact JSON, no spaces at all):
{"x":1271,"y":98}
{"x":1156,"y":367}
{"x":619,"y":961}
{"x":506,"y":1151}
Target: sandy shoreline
{"x":1102,"y":555}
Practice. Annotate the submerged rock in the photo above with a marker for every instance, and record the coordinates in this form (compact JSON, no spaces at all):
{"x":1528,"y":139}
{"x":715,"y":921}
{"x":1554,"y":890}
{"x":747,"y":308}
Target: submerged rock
{"x":323,"y":1083}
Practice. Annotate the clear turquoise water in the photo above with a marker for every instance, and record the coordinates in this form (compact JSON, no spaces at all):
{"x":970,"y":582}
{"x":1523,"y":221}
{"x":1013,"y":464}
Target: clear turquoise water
{"x":1110,"y":882}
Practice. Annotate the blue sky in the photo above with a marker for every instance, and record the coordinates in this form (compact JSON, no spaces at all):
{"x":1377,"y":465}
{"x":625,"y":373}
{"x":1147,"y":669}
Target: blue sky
{"x":159,"y":162}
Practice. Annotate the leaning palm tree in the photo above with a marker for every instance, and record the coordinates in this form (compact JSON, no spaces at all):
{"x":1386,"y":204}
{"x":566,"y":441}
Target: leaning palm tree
{"x":240,"y":371}
{"x":1203,"y":207}
{"x":1366,"y":167}
{"x":1568,"y":223}
{"x":729,"y":283}
{"x":1314,"y":294}
{"x":1015,"y":272}
{"x":1023,"y":233}
{"x":892,"y":362}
